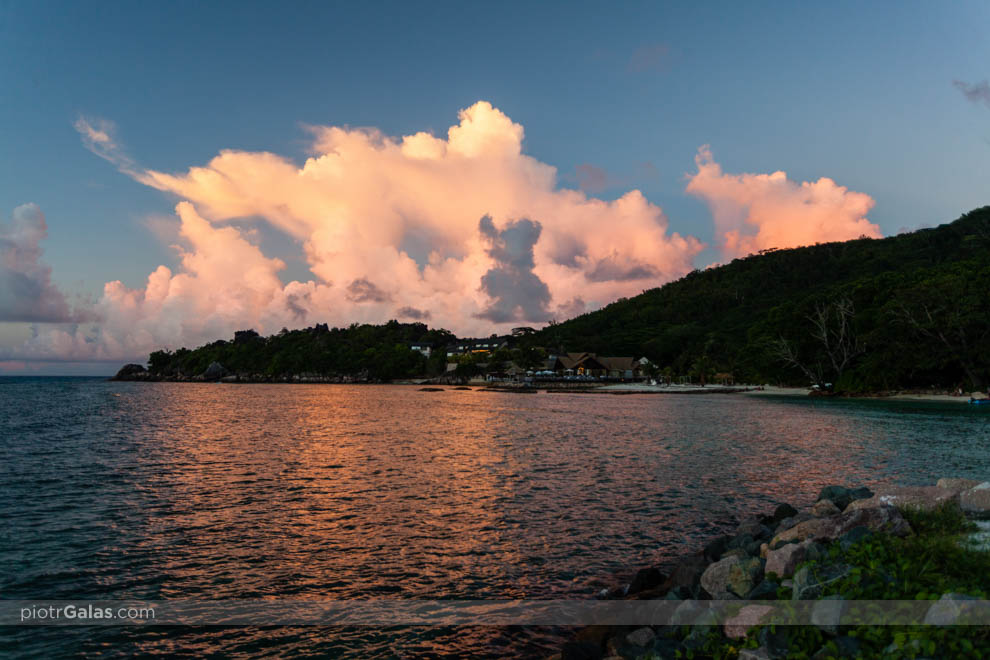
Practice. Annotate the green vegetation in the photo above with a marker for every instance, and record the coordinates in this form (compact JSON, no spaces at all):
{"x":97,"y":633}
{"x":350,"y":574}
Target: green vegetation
{"x":373,"y":352}
{"x":922,"y":566}
{"x":909,"y":311}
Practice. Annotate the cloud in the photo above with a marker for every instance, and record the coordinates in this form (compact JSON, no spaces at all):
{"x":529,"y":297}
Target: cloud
{"x":98,"y":135}
{"x":413,"y":314}
{"x":976,"y":92}
{"x":27,"y":292}
{"x":755,"y":212}
{"x":650,"y":57}
{"x":389,"y":227}
{"x":517,"y":293}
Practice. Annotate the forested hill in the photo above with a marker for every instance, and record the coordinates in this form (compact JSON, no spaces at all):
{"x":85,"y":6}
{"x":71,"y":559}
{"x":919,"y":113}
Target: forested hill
{"x":911,"y":310}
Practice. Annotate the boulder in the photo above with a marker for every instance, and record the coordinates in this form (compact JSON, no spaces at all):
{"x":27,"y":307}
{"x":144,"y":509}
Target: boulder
{"x":842,"y":496}
{"x":956,"y":483}
{"x":840,"y":647}
{"x":732,"y":577}
{"x":737,"y":626}
{"x":686,"y":574}
{"x":766,"y":590}
{"x":754,"y":654}
{"x":716,"y":547}
{"x":920,"y":497}
{"x":810,"y":584}
{"x":784,"y":560}
{"x":853,"y":536}
{"x":827,"y":613}
{"x":782,"y":512}
{"x":646,"y":578}
{"x":877,"y":519}
{"x":576,"y":650}
{"x":976,"y":500}
{"x":756,"y":529}
{"x":214,"y":372}
{"x":825,"y":508}
{"x":641,"y":637}
{"x":948,"y":610}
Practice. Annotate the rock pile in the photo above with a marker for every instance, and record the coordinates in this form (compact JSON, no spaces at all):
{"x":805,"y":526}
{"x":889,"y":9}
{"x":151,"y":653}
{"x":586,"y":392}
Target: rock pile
{"x":761,"y":555}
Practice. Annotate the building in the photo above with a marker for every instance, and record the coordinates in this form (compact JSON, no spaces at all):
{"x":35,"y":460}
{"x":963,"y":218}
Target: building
{"x":475,"y":346}
{"x":423,"y":347}
{"x":591,"y":365}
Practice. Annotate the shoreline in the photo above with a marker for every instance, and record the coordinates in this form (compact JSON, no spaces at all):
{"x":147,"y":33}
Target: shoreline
{"x":722,"y":599}
{"x":561,"y":387}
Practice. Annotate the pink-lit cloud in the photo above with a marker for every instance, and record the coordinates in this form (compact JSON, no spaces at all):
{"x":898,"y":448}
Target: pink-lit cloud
{"x":27,"y":292}
{"x":463,"y":230}
{"x":754,"y":212}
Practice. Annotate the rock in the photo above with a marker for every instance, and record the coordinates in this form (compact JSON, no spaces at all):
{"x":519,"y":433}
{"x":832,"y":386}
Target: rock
{"x":578,"y":650}
{"x":842,"y":497}
{"x":921,"y":497}
{"x":740,"y":541}
{"x":431,"y":389}
{"x":980,"y":539}
{"x":687,"y":574}
{"x":753,"y":549}
{"x":827,"y":613}
{"x":732,"y":577}
{"x":646,"y":578}
{"x":131,"y":372}
{"x":783,"y":561}
{"x":754,"y":654}
{"x":737,"y":626}
{"x":853,"y":536}
{"x":687,"y":613}
{"x":716,"y":547}
{"x":641,"y":636}
{"x":878,"y":519}
{"x":976,"y":500}
{"x":214,"y":372}
{"x":782,"y":512}
{"x":703,"y":625}
{"x":840,"y":647}
{"x":764,"y":550}
{"x":776,"y":640}
{"x":956,"y":483}
{"x":815,"y":551}
{"x":736,"y":552}
{"x":756,"y":529}
{"x":948,"y":609}
{"x":809,"y":585}
{"x":815,"y":528}
{"x":765,"y":590}
{"x":825,"y":508}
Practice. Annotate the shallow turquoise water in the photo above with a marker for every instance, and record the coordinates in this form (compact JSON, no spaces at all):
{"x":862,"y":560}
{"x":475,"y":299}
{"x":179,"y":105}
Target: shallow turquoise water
{"x":159,"y":491}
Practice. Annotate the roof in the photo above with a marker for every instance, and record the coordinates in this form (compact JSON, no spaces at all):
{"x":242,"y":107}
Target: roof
{"x":619,"y":363}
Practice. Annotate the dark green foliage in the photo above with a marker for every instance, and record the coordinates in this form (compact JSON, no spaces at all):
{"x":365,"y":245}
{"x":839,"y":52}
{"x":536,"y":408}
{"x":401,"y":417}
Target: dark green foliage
{"x":921,"y":301}
{"x":375,"y":352}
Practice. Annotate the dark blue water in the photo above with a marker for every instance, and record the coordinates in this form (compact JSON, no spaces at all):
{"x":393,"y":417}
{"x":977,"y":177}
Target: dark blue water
{"x":208,"y":491}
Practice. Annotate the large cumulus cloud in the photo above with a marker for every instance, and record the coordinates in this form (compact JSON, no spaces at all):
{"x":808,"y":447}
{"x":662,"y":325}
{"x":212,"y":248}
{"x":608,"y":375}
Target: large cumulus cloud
{"x":754,"y":212}
{"x":464,"y":230}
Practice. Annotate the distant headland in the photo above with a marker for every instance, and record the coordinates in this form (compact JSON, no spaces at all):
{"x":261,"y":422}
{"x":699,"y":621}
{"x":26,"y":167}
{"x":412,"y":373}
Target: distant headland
{"x":906,"y":313}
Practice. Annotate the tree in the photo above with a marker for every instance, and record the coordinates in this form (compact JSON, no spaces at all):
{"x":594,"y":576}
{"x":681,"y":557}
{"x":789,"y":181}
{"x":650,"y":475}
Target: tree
{"x":834,"y":339}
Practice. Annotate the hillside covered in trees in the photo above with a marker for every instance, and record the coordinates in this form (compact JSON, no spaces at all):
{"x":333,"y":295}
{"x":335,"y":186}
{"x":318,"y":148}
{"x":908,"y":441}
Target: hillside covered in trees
{"x":909,"y":311}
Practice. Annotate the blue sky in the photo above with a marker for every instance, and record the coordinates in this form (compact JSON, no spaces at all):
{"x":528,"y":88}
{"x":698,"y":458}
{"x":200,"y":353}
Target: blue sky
{"x":861,"y":93}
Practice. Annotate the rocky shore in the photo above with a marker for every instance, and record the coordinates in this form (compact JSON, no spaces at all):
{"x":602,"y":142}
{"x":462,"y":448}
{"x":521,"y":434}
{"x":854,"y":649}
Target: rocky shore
{"x":906,"y":544}
{"x":217,"y":373}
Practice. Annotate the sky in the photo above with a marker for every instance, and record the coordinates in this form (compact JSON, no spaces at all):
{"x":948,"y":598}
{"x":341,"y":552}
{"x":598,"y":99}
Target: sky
{"x":172,"y":173}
